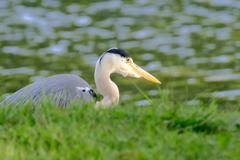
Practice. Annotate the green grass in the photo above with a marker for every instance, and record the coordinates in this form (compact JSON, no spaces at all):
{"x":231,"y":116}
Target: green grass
{"x":162,"y":130}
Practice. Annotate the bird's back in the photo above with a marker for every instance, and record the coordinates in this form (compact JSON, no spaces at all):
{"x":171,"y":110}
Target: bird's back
{"x":62,"y":89}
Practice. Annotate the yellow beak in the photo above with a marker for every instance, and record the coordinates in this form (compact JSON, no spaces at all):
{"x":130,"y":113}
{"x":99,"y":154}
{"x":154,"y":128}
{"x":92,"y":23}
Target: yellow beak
{"x":144,"y":74}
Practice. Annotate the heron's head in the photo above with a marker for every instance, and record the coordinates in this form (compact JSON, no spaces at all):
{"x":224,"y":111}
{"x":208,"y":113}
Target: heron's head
{"x":120,"y":61}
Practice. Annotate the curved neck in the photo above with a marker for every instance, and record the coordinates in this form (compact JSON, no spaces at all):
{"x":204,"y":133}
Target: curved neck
{"x":105,"y":85}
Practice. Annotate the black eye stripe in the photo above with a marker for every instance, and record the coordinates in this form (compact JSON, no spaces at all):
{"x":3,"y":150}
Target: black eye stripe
{"x":119,"y":51}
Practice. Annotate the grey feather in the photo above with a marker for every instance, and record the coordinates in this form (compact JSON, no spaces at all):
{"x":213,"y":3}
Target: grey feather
{"x":63,"y":89}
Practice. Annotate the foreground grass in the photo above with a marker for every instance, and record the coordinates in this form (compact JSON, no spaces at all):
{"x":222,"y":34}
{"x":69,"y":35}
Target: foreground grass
{"x":158,"y":131}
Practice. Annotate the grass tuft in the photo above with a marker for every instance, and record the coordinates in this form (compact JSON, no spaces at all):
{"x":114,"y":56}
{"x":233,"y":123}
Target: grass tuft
{"x":161,"y":130}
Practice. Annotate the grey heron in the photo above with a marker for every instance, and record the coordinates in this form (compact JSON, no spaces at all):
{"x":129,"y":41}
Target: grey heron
{"x":64,"y":89}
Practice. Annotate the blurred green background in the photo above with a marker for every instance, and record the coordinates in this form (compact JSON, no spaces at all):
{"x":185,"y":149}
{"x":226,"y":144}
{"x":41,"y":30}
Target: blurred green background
{"x":191,"y":46}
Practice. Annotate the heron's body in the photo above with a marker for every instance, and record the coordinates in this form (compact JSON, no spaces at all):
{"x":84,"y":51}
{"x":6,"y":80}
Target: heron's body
{"x":64,"y":89}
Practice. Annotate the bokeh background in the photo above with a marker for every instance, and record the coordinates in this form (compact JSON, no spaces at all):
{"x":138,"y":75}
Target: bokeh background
{"x":191,"y":46}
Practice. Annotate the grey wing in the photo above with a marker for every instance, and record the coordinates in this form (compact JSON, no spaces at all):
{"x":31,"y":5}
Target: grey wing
{"x":63,"y":97}
{"x":63,"y":89}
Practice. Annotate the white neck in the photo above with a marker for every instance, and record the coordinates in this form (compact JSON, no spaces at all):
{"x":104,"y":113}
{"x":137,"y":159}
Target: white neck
{"x":105,"y":85}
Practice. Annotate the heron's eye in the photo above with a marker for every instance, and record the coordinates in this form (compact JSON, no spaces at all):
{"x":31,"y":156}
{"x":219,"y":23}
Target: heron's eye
{"x":128,"y":60}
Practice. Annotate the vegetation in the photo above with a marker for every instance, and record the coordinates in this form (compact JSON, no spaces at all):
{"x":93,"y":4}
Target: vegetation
{"x":161,"y":130}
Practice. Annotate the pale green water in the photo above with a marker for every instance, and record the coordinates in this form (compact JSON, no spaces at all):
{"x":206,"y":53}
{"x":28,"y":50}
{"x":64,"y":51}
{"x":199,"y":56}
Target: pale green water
{"x":190,"y":46}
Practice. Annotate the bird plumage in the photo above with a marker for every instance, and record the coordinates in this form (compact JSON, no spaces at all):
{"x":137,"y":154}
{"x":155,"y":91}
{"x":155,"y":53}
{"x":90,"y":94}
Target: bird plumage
{"x":63,"y":89}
